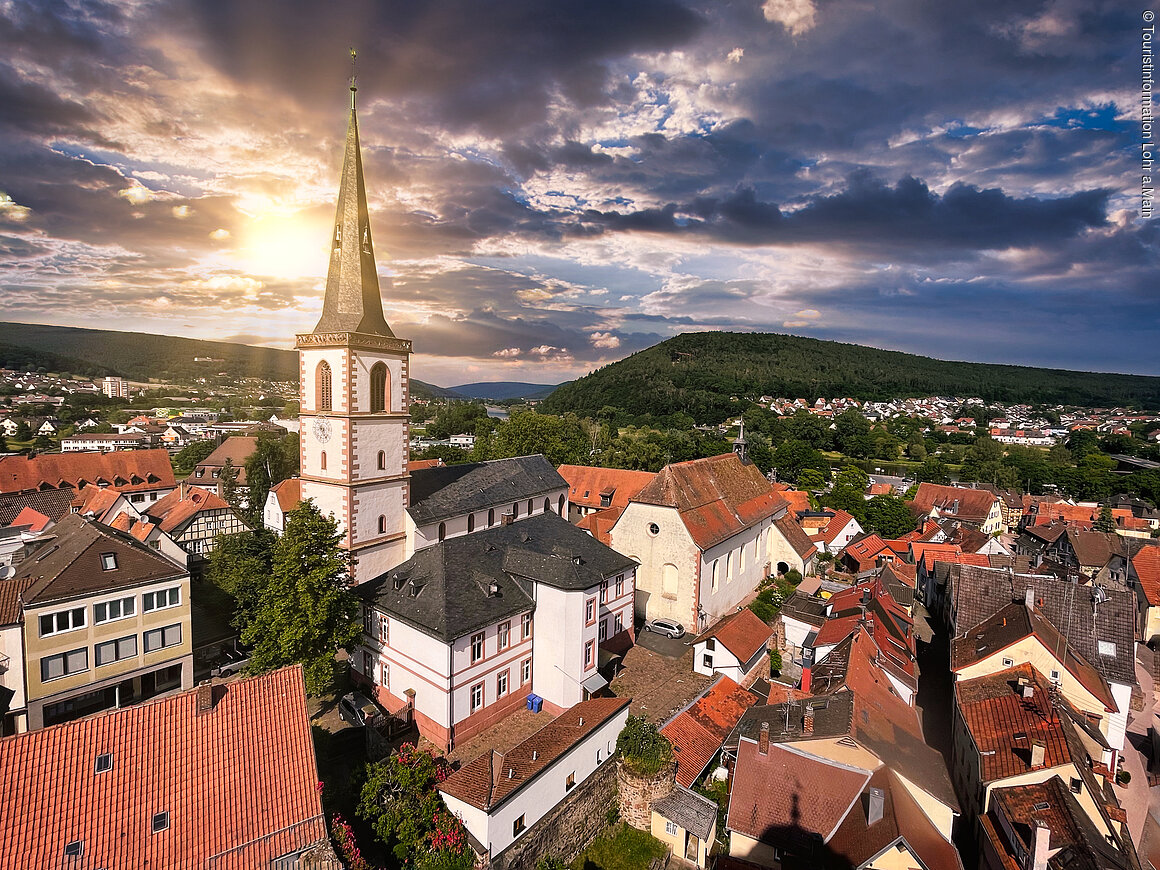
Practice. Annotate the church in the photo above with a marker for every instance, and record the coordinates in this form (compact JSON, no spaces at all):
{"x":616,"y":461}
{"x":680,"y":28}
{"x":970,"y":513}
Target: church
{"x":479,"y":596}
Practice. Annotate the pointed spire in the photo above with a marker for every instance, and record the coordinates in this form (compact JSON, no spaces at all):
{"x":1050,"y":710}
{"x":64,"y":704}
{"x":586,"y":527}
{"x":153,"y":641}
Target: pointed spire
{"x":352,"y":302}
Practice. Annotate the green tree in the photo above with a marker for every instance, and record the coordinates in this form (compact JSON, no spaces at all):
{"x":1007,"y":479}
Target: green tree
{"x":811,"y":480}
{"x":1106,"y":522}
{"x":643,"y":748}
{"x":933,"y":470}
{"x":23,"y":431}
{"x":852,"y":434}
{"x":400,"y":803}
{"x":240,"y":564}
{"x":562,"y":440}
{"x":305,"y":613}
{"x":3,"y":443}
{"x":848,"y":492}
{"x":793,"y":457}
{"x":43,"y":442}
{"x":188,"y":457}
{"x":274,"y":459}
{"x":889,"y":516}
{"x":228,"y":481}
{"x":456,"y":418}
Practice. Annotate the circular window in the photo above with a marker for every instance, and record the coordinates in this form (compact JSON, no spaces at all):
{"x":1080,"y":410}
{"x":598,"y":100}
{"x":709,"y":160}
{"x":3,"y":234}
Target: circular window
{"x":654,"y":529}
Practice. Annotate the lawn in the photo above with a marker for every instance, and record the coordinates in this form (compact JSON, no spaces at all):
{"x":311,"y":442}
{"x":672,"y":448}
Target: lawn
{"x":621,"y":848}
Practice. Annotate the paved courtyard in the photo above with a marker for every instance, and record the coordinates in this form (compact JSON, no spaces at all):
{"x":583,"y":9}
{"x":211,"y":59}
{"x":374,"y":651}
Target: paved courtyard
{"x":659,"y":684}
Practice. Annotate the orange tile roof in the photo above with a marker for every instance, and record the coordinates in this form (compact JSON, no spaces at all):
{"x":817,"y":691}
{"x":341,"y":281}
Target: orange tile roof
{"x":880,"y":489}
{"x":742,"y":633}
{"x":795,"y":498}
{"x":238,"y":781}
{"x":136,"y":469}
{"x":586,"y":485}
{"x":289,"y":492}
{"x":698,"y":731}
{"x":995,"y":710}
{"x":716,"y":497}
{"x":600,"y":523}
{"x":93,"y":501}
{"x":419,"y":464}
{"x":478,"y":782}
{"x":839,"y":521}
{"x":34,"y":519}
{"x":176,"y":510}
{"x":1146,"y":564}
{"x":967,"y":504}
{"x":865,"y":550}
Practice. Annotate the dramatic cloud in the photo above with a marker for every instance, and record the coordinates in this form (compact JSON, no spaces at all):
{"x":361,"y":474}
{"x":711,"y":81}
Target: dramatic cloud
{"x":553,"y":189}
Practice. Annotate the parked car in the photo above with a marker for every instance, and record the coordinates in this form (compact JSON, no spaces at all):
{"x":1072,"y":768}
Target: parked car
{"x":233,"y":661}
{"x":357,"y":709}
{"x":667,"y":627}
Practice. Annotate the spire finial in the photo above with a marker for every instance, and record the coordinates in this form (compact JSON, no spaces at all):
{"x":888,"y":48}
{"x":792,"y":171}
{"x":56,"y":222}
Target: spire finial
{"x":353,"y":75}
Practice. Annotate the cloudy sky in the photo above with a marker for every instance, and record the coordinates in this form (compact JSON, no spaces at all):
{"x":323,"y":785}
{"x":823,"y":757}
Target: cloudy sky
{"x":555,"y":185}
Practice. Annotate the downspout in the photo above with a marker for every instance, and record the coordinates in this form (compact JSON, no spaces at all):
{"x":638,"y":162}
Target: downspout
{"x":450,"y":694}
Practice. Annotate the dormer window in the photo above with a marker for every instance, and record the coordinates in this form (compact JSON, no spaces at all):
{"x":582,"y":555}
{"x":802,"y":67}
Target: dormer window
{"x":108,"y":561}
{"x":160,"y":822}
{"x":104,"y":762}
{"x":74,"y":849}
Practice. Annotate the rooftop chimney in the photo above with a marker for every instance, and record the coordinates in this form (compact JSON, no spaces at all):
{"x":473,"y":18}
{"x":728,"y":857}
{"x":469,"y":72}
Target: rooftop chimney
{"x":1038,"y":753}
{"x":1029,"y":597}
{"x":874,"y":805}
{"x":807,"y":677}
{"x":508,"y":519}
{"x":492,"y":589}
{"x":763,"y":739}
{"x":1040,"y":850}
{"x":808,"y":721}
{"x":205,"y":699}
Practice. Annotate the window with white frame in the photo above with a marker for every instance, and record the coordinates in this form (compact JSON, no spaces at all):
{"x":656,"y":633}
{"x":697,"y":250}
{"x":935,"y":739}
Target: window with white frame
{"x":160,"y":638}
{"x":117,"y":650}
{"x":476,"y":697}
{"x":64,"y":664}
{"x":108,"y":561}
{"x":118,"y":608}
{"x":603,"y":629}
{"x":590,"y":611}
{"x":161,"y":599}
{"x":526,"y":626}
{"x":62,"y":621}
{"x":384,"y":628}
{"x":505,"y":634}
{"x":501,"y":684}
{"x":476,"y":647}
{"x":525,"y":671}
{"x":385,"y":675}
{"x":670,"y":828}
{"x":619,"y":624}
{"x":619,"y":585}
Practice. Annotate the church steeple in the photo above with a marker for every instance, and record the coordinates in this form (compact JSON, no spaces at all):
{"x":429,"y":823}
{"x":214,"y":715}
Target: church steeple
{"x":352,"y":302}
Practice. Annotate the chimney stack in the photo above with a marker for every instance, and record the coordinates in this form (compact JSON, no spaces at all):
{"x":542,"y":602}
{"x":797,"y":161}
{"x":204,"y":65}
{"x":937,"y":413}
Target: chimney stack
{"x":1041,"y":848}
{"x":763,"y":739}
{"x":1038,"y":753}
{"x":1029,"y":597}
{"x":806,"y":679}
{"x":205,"y":699}
{"x":508,"y":519}
{"x":808,"y":721}
{"x":875,"y":805}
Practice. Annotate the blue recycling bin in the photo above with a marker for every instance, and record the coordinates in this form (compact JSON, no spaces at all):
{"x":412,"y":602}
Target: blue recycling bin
{"x":535,"y":703}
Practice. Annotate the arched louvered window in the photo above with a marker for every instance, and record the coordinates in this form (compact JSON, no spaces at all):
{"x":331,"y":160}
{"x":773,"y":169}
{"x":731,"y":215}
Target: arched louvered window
{"x":442,"y":531}
{"x":322,"y":460}
{"x":561,"y":510}
{"x":470,"y":523}
{"x":382,"y":460}
{"x":324,"y":392}
{"x":380,"y":396}
{"x":382,"y":524}
{"x":547,"y":505}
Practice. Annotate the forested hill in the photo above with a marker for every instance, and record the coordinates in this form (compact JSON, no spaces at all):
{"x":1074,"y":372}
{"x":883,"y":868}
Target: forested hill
{"x":698,"y":373}
{"x":140,"y":356}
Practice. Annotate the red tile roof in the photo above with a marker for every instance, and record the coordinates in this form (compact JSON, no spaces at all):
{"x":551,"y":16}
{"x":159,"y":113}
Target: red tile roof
{"x":479,"y":782}
{"x":587,"y":485}
{"x":93,"y":501}
{"x":864,"y":551}
{"x":1146,"y":564}
{"x":289,"y":492}
{"x":600,"y":523}
{"x":698,"y":731}
{"x":136,"y":470}
{"x":742,"y":633}
{"x":836,"y":524}
{"x":237,"y":449}
{"x":238,"y":782}
{"x":177,"y":509}
{"x":717,"y":497}
{"x":34,"y":519}
{"x":995,"y":710}
{"x":419,"y":464}
{"x":966,"y":504}
{"x":795,"y":498}
{"x":783,"y":797}
{"x":11,"y":590}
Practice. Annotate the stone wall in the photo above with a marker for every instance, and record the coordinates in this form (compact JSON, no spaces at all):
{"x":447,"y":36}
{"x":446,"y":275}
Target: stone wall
{"x":637,"y":793}
{"x":569,"y":828}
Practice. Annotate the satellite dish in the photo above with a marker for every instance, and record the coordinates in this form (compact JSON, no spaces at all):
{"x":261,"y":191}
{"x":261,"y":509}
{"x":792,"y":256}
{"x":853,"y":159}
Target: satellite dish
{"x":1100,"y":595}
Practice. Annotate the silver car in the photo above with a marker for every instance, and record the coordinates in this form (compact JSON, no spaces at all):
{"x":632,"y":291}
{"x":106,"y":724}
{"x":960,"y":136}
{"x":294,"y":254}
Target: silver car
{"x":667,"y":627}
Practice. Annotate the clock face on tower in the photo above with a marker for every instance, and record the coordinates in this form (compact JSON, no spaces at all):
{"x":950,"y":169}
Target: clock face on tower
{"x":321,"y":430}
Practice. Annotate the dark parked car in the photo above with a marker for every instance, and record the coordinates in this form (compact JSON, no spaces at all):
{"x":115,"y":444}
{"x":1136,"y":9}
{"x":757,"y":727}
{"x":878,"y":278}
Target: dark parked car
{"x":357,"y":709}
{"x":667,"y":627}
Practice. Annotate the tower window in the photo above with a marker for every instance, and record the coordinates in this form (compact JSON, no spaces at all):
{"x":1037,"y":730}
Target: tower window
{"x":470,"y":523}
{"x":547,"y":505}
{"x":442,"y":531}
{"x":561,"y":511}
{"x":382,"y":460}
{"x":322,"y":460}
{"x":379,"y":397}
{"x":490,"y":517}
{"x":337,"y":236}
{"x":382,"y":524}
{"x":515,"y":510}
{"x":324,"y":386}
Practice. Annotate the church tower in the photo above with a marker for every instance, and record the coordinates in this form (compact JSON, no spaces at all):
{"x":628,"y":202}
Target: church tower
{"x":353,"y":376}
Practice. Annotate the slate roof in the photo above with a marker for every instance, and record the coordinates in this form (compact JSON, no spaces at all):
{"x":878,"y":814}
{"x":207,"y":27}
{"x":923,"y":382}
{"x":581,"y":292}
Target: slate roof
{"x":979,"y":593}
{"x":139,"y":470}
{"x":453,"y":490}
{"x":238,"y":782}
{"x":805,"y":608}
{"x":587,"y":484}
{"x":53,"y":503}
{"x":995,"y":711}
{"x":689,"y":810}
{"x":789,"y":799}
{"x":443,"y":589}
{"x":742,"y":633}
{"x":716,"y":497}
{"x":485,"y":781}
{"x":698,"y":732}
{"x":68,"y":563}
{"x":1015,"y":622}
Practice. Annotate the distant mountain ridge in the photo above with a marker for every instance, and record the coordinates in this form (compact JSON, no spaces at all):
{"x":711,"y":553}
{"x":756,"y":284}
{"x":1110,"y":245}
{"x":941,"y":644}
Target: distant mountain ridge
{"x":504,"y":390}
{"x":701,"y":374}
{"x":140,"y":356}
